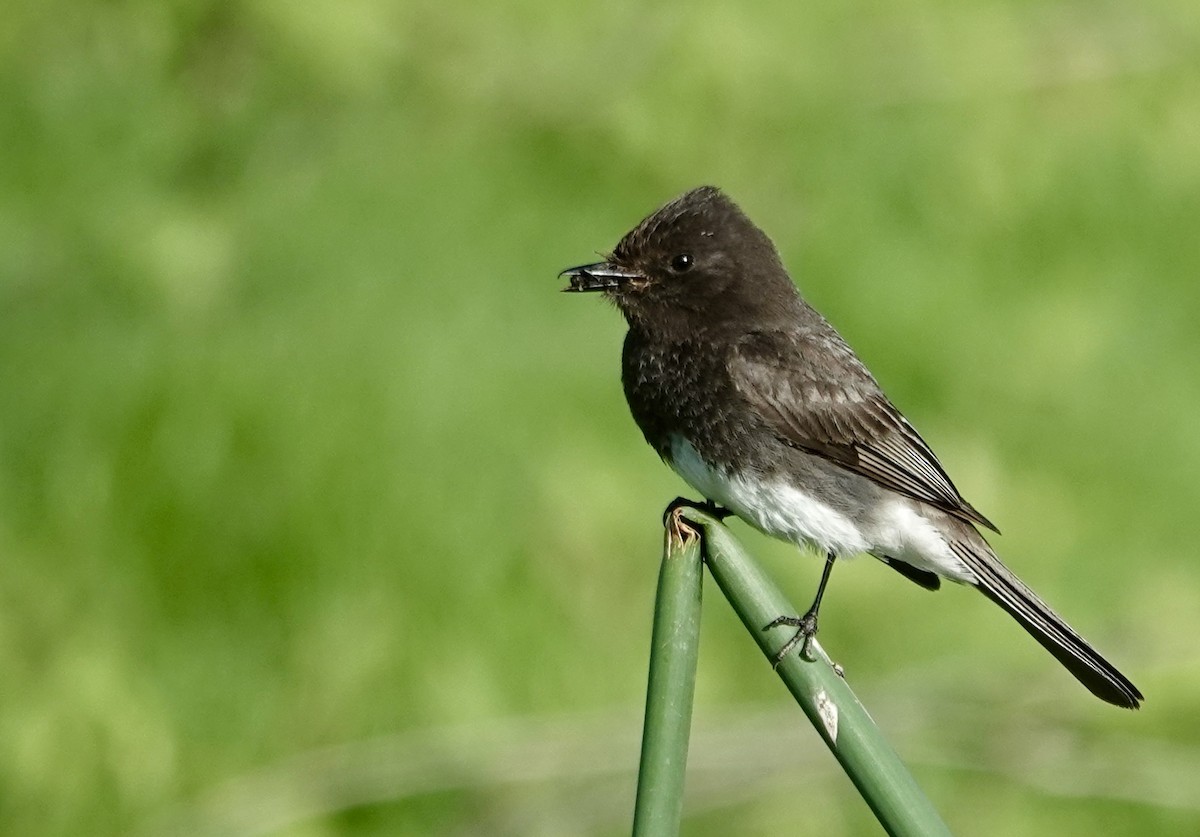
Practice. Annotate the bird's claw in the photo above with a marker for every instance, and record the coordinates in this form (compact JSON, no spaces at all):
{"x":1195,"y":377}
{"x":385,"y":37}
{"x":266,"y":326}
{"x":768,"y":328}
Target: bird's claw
{"x":806,"y":629}
{"x":707,"y":506}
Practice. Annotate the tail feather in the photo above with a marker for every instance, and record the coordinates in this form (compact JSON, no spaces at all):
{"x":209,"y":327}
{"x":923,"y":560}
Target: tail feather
{"x":1000,"y":585}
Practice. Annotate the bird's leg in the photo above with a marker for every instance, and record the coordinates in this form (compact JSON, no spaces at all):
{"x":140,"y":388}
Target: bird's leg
{"x":806,"y":625}
{"x":707,"y":506}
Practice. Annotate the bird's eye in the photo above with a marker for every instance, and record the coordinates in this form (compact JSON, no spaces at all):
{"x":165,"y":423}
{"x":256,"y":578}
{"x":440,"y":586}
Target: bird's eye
{"x":681,"y":263}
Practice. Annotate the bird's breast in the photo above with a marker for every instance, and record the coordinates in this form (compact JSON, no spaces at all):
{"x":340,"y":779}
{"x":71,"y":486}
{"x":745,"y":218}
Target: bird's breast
{"x":679,"y":388}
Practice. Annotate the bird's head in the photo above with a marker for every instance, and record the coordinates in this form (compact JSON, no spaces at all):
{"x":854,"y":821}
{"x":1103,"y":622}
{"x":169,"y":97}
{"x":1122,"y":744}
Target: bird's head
{"x":691,"y":263}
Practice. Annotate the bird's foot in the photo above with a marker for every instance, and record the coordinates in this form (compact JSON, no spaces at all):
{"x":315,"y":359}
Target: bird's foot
{"x":707,"y":506}
{"x":806,"y":629}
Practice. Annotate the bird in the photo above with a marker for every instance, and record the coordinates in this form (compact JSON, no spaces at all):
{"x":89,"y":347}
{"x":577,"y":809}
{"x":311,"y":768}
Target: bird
{"x":756,"y":401}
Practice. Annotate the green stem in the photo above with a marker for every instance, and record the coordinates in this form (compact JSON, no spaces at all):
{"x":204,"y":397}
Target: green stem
{"x":674,"y":651}
{"x":870,"y":762}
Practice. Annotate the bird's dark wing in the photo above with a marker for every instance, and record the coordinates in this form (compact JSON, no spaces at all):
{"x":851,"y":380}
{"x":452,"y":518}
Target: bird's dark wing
{"x":834,"y":408}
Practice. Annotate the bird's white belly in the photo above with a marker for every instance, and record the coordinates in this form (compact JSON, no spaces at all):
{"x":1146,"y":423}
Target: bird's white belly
{"x":772,"y":506}
{"x":788,"y":512}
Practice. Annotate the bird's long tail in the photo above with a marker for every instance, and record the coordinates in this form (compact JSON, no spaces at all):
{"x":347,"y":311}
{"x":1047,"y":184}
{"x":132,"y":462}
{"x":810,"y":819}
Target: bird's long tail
{"x":1000,"y":585}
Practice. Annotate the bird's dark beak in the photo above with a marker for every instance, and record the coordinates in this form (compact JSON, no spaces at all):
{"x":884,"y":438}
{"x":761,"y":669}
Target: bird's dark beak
{"x":601,"y":276}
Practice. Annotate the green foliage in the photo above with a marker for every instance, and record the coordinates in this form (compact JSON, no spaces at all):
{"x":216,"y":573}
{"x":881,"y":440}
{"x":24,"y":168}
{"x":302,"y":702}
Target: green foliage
{"x":320,"y":510}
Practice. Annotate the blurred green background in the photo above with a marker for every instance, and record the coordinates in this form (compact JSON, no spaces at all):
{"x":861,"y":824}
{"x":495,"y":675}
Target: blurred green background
{"x":321,"y":512}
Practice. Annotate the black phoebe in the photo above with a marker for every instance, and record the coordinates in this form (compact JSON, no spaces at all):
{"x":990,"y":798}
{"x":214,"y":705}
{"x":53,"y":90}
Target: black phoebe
{"x":757,"y":402}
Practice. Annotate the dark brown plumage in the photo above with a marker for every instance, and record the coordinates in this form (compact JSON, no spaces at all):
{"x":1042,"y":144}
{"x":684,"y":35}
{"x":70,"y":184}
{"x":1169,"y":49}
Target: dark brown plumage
{"x":757,"y":401}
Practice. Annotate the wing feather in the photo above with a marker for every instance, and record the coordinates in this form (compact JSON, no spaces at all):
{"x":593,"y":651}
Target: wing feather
{"x":836,"y":409}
